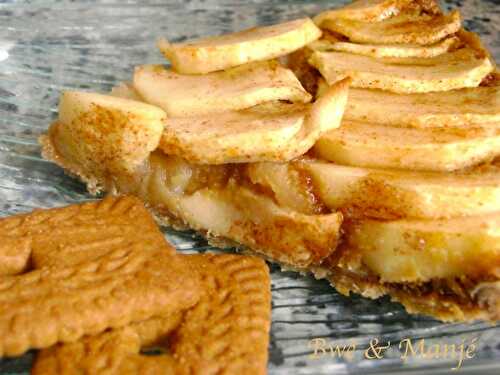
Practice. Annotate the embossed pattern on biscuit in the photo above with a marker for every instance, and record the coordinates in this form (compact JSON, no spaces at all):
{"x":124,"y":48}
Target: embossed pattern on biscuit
{"x":61,"y":304}
{"x":97,"y":265}
{"x":76,"y":231}
{"x":226,"y":332}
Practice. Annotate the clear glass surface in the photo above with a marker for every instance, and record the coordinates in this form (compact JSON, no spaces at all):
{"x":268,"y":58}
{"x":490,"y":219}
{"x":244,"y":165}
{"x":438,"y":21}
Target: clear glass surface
{"x":48,"y":46}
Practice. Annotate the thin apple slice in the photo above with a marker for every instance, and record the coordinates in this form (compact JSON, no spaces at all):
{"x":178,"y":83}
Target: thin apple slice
{"x":363,"y":10}
{"x":228,"y":136}
{"x":226,"y":51}
{"x":392,"y":194}
{"x":405,"y":28}
{"x":469,"y":107}
{"x":233,"y":89}
{"x":371,"y":145}
{"x":387,"y":50}
{"x":100,"y":135}
{"x":273,"y":131}
{"x":423,"y":250}
{"x":465,"y":67}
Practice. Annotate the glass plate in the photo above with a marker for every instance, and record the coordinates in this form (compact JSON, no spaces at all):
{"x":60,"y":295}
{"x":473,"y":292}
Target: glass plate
{"x":49,"y":46}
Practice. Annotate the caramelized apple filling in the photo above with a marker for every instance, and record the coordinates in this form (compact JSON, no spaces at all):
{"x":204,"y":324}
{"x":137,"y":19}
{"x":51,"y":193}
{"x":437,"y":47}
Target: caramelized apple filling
{"x":310,"y":185}
{"x":222,"y":202}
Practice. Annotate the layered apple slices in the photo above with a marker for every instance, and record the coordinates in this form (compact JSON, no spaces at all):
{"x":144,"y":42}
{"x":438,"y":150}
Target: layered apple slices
{"x":255,"y":139}
{"x":464,"y":65}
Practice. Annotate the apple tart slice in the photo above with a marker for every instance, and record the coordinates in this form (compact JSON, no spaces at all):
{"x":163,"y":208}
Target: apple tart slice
{"x":399,"y":198}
